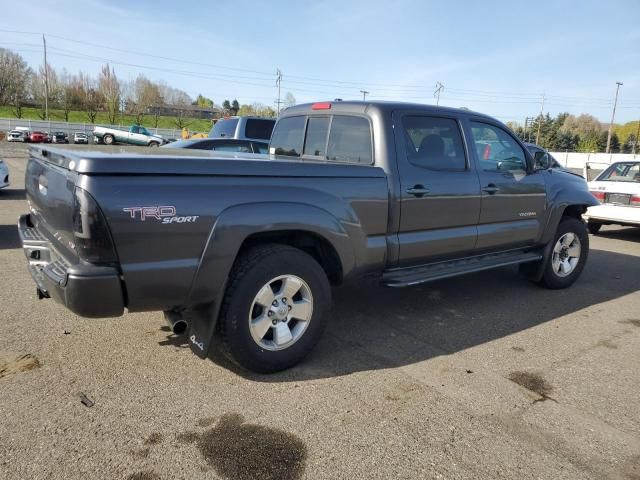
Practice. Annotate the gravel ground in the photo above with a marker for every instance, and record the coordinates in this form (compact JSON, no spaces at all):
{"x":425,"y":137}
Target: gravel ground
{"x":479,"y":377}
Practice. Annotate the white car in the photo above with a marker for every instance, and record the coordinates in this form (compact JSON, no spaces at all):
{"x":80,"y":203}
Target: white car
{"x":80,"y":137}
{"x":4,"y":174}
{"x":18,"y":135}
{"x":618,"y":190}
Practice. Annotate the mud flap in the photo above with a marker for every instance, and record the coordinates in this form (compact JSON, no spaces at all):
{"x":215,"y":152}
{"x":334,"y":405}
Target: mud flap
{"x":535,"y":270}
{"x":202,"y":326}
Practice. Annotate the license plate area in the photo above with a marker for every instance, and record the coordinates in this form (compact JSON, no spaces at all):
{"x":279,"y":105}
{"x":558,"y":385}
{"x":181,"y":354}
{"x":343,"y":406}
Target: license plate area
{"x":618,"y":198}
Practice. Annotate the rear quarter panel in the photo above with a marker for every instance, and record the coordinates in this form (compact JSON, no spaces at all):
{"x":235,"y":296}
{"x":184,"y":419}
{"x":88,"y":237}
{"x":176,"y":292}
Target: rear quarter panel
{"x":160,"y":261}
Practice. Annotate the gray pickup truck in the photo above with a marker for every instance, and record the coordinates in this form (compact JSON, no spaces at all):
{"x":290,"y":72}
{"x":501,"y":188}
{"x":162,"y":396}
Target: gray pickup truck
{"x":247,"y":247}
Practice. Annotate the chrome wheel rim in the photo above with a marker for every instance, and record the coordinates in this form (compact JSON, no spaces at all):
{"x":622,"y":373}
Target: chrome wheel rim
{"x":566,"y":254}
{"x":280,"y":312}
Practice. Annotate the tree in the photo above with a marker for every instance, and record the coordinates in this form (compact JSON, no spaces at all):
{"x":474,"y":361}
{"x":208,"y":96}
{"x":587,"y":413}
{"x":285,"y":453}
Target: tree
{"x":235,"y":106}
{"x":90,"y":98}
{"x":588,"y":143}
{"x":226,"y":107}
{"x":38,"y":90}
{"x":142,"y":95}
{"x":14,"y":76}
{"x":289,"y":100}
{"x":583,"y":125}
{"x":109,"y":88}
{"x":202,"y":101}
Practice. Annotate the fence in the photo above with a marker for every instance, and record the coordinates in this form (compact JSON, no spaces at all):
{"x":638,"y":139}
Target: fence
{"x":8,"y":124}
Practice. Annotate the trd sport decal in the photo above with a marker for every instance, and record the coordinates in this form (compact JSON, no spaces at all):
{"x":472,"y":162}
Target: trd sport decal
{"x":165,"y":213}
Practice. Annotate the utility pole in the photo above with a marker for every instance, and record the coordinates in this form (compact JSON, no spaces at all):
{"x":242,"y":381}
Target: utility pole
{"x":635,"y":140}
{"x":436,"y":93}
{"x":364,"y":94}
{"x":540,"y":121}
{"x":46,"y":80}
{"x":613,"y":116}
{"x":278,"y":82}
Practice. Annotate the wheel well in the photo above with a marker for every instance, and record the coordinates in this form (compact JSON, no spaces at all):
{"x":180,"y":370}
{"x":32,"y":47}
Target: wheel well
{"x":315,"y":245}
{"x":574,"y":211}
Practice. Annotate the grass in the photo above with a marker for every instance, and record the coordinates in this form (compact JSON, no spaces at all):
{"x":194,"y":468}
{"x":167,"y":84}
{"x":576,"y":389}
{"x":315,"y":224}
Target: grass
{"x":76,"y":116}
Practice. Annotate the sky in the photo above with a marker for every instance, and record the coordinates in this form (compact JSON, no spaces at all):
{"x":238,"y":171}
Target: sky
{"x":496,"y":57}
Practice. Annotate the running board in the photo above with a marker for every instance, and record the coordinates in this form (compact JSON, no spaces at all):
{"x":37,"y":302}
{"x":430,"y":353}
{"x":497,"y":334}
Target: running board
{"x":404,"y":277}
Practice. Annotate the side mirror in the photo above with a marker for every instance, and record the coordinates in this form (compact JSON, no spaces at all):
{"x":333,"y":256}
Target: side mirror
{"x":542,"y":161}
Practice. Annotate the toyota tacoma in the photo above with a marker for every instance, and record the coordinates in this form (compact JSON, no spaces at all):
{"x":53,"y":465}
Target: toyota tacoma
{"x":246,"y":248}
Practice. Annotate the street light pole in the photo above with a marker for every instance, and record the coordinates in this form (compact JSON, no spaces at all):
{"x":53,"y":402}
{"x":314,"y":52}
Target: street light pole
{"x":613,"y":116}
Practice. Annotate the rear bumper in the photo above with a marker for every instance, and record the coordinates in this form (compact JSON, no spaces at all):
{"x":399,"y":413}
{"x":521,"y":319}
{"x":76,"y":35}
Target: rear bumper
{"x":87,"y":290}
{"x":616,"y":214}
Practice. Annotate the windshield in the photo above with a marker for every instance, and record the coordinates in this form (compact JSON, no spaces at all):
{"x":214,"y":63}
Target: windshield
{"x":621,"y":172}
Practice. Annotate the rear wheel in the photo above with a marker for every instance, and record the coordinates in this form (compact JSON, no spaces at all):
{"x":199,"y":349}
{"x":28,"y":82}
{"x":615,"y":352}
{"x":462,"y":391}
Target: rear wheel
{"x":154,"y":144}
{"x":274,"y":308}
{"x":594,"y":228}
{"x":568,"y":255}
{"x":108,"y":139}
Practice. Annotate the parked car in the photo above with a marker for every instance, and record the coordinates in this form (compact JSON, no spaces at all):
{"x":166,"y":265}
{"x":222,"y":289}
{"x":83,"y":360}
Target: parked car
{"x":618,"y":190}
{"x":59,"y":137}
{"x":4,"y":174}
{"x":18,"y":136}
{"x":38,"y":137}
{"x":221,"y":145}
{"x":136,"y":135}
{"x":406,"y":193}
{"x":80,"y":137}
{"x":243,"y":128}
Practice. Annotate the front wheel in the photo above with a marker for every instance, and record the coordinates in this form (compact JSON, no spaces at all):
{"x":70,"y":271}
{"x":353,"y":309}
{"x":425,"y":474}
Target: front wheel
{"x":108,"y":139}
{"x":568,"y":255}
{"x":274,"y":309}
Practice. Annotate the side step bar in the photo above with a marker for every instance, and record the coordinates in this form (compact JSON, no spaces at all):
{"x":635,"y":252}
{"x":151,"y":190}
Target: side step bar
{"x":404,"y":277}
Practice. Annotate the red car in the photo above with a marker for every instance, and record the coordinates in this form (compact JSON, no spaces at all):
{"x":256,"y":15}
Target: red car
{"x":38,"y":137}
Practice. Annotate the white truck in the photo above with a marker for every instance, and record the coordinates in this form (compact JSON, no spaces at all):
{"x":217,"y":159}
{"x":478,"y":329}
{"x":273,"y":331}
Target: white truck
{"x":136,"y":135}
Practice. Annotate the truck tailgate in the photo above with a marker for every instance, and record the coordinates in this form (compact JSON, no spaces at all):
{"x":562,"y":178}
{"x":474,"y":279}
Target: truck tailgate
{"x":50,"y":193}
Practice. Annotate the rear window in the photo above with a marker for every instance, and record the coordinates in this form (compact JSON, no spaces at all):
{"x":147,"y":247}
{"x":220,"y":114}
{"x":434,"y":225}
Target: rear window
{"x":288,"y":137}
{"x":350,"y":140}
{"x":259,"y":128}
{"x":622,"y":172}
{"x":316,"y":140}
{"x":225,"y":128}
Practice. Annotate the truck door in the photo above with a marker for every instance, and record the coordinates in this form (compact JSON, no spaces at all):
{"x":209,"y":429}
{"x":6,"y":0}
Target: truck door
{"x":513,"y":197}
{"x":440,"y":191}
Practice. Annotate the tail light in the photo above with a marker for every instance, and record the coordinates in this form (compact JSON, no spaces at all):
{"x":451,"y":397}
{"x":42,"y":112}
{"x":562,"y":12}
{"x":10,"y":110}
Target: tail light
{"x":635,"y":200}
{"x":92,"y":237}
{"x":598,"y":194}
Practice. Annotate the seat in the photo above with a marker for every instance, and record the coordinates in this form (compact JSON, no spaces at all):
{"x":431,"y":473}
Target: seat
{"x":431,"y":152}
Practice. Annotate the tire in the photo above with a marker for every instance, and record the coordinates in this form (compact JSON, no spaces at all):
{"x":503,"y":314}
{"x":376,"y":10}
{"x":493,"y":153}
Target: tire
{"x":154,"y":144}
{"x":593,"y":228}
{"x":252,"y":273}
{"x":558,"y":276}
{"x":108,"y":140}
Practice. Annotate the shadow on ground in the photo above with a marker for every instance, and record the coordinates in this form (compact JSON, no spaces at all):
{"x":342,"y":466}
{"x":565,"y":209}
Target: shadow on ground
{"x":627,"y":234}
{"x":9,"y":237}
{"x":372,"y":327}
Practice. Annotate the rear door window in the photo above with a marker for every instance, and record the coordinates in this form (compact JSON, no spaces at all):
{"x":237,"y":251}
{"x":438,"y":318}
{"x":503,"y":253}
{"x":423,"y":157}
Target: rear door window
{"x":288,"y":137}
{"x":224,"y":128}
{"x":434,"y":143}
{"x":259,"y":128}
{"x":350,"y":140}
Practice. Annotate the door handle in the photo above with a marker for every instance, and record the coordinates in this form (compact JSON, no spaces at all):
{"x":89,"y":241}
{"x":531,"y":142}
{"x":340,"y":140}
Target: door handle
{"x":491,"y":189}
{"x":417,"y":190}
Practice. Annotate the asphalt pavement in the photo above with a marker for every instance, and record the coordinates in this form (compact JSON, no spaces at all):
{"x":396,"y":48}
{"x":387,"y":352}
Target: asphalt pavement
{"x":485,"y":376}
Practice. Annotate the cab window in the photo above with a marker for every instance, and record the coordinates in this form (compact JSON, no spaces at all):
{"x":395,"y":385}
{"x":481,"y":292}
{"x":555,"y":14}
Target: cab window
{"x":496,"y":149}
{"x":288,"y":137}
{"x":434,"y":143}
{"x":350,"y":140}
